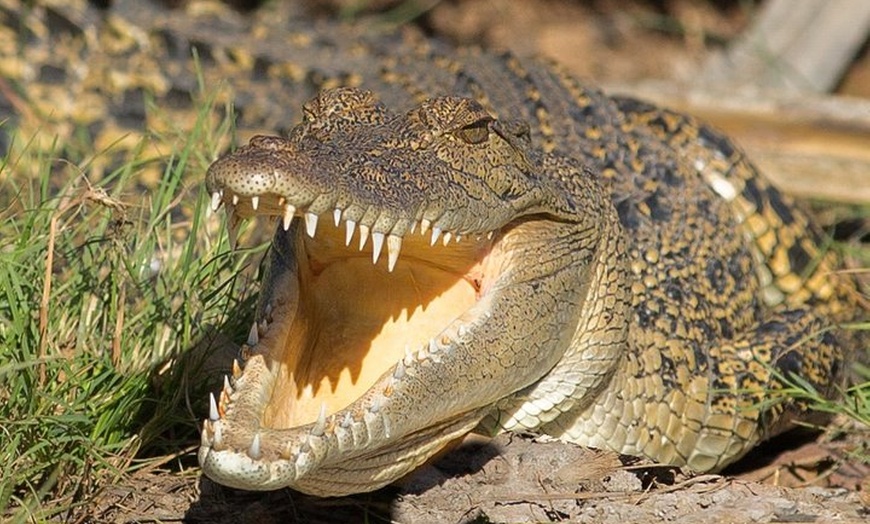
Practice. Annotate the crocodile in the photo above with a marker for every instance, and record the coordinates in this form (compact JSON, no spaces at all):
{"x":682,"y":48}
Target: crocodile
{"x":468,"y":240}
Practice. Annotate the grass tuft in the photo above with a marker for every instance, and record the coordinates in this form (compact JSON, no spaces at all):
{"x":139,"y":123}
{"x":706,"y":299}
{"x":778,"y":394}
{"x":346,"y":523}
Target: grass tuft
{"x":102,"y":286}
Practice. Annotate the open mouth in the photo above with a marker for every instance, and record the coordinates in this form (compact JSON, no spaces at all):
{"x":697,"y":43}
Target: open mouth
{"x":346,"y":306}
{"x":406,"y":245}
{"x":348,"y":316}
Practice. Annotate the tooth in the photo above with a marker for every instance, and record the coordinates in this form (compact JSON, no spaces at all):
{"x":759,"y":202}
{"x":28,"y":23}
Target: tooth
{"x":394,"y":246}
{"x":399,"y":372}
{"x":237,"y":369}
{"x":235,"y":199}
{"x":409,"y":356}
{"x":424,"y":226}
{"x":375,"y":405}
{"x":213,"y":414}
{"x":255,"y":202}
{"x":228,"y":388}
{"x":447,"y":237}
{"x":254,"y":451}
{"x":433,"y":346}
{"x":458,"y":238}
{"x":413,"y":226}
{"x":253,"y":335}
{"x":347,"y":421}
{"x":461,"y":331}
{"x":337,"y":216}
{"x":216,"y":200}
{"x":320,"y":425}
{"x":436,"y":232}
{"x":377,"y":245}
{"x":223,"y":402}
{"x":351,"y":226}
{"x":310,"y":224}
{"x":363,"y":235}
{"x":289,"y":212}
{"x":489,"y":235}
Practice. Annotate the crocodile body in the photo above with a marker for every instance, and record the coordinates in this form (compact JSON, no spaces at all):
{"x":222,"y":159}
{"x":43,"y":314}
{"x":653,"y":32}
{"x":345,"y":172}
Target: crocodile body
{"x":624,"y":278}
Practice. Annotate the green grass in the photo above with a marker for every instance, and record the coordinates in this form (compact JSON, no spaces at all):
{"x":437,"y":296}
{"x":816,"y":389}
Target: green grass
{"x":103,"y":286}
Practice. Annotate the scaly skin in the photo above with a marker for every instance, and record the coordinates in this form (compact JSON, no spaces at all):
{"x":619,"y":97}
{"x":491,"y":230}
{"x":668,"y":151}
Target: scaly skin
{"x":624,"y":279}
{"x":574,"y":330}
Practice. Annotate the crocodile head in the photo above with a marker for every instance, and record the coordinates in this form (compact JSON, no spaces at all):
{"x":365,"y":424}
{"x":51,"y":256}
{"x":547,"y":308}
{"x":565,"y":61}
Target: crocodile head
{"x":439,"y":289}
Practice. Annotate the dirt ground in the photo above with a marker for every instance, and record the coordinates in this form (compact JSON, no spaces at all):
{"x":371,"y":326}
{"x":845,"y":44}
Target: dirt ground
{"x":797,"y":478}
{"x":516,"y":478}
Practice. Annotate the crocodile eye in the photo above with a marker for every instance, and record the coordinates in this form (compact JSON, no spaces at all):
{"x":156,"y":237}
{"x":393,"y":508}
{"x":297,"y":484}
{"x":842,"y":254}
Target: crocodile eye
{"x":475,"y":133}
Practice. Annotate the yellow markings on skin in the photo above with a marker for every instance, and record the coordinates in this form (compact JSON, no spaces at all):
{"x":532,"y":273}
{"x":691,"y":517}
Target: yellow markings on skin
{"x":593,"y":133}
{"x":546,"y":129}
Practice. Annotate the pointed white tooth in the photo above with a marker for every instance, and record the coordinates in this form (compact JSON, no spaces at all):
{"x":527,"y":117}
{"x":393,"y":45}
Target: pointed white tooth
{"x":409,"y":355}
{"x":253,"y":335}
{"x":394,"y":246}
{"x":377,"y":245}
{"x":375,"y":405}
{"x":447,"y":237}
{"x":254,"y":451}
{"x":461,"y":331}
{"x":310,"y":224}
{"x":235,"y":199}
{"x":255,"y":202}
{"x":489,"y":235}
{"x":347,"y":421}
{"x":228,"y":388}
{"x":289,"y":212}
{"x":351,"y":227}
{"x":216,"y":199}
{"x":436,"y":232}
{"x":413,"y":226}
{"x":424,"y":226}
{"x":457,"y":238}
{"x":320,"y":425}
{"x":336,"y":214}
{"x":363,"y":235}
{"x":213,"y":413}
{"x":237,"y":369}
{"x":399,"y":372}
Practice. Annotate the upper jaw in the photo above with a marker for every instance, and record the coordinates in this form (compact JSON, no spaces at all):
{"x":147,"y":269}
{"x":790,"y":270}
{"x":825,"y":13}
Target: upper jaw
{"x":268,"y":177}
